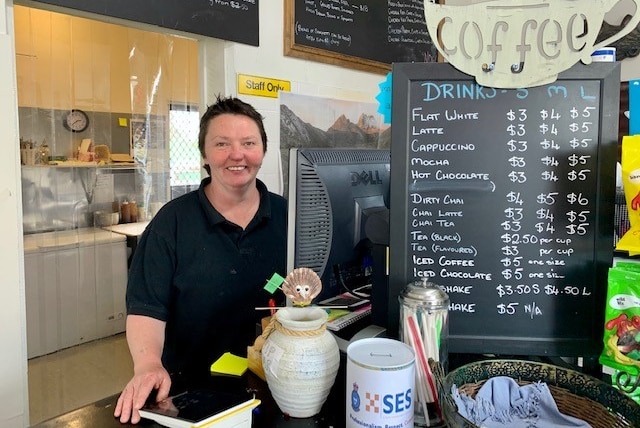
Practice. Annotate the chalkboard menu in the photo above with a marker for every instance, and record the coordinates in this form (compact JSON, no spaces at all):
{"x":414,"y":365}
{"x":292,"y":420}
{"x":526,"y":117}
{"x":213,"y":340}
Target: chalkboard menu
{"x":505,"y":198}
{"x":234,"y":20}
{"x":361,"y":34}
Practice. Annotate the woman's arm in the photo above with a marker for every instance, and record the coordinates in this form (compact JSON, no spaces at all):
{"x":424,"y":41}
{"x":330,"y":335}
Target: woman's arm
{"x":145,"y":337}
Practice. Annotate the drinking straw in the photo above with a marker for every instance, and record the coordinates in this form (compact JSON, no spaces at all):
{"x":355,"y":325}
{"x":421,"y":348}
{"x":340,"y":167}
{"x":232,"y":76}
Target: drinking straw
{"x":430,"y":336}
{"x":422,"y":359}
{"x":423,"y":394}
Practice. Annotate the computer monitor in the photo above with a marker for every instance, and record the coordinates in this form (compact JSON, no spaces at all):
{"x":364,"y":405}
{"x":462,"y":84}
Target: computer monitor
{"x":332,"y":195}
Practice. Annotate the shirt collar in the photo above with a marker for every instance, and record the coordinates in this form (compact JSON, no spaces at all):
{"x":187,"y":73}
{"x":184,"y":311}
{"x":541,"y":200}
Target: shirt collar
{"x":264,"y":210}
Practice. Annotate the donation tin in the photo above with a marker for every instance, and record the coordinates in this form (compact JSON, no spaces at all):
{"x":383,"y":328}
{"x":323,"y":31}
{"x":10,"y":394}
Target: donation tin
{"x":380,"y":384}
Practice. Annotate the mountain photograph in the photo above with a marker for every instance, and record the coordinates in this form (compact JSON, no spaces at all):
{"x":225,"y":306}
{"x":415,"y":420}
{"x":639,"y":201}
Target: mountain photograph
{"x":307,"y":121}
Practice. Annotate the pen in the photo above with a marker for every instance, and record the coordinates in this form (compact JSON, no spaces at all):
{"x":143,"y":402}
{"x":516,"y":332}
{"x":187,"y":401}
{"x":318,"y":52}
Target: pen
{"x":274,"y":308}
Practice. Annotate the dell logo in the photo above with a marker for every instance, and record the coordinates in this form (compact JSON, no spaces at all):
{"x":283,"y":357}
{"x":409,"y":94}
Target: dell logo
{"x":364,"y":177}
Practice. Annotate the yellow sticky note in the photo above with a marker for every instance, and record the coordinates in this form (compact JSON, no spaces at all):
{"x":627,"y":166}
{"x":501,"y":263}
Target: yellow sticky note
{"x":122,"y":121}
{"x":230,"y":364}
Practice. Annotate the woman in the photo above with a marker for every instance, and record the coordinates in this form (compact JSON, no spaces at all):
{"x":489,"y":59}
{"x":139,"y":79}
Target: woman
{"x":199,"y":268}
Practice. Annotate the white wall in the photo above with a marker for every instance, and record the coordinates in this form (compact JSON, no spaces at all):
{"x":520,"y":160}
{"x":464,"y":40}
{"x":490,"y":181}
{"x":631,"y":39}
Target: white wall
{"x":13,"y":351}
{"x":630,"y":68}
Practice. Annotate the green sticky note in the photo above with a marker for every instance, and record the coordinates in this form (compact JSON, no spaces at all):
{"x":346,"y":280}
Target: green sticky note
{"x":274,"y":283}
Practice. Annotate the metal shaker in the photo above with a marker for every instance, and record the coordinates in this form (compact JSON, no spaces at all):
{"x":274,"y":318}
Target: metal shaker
{"x":424,"y":325}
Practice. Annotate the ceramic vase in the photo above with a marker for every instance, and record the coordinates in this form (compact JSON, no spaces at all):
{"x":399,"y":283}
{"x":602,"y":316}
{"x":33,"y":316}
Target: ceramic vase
{"x":300,"y":359}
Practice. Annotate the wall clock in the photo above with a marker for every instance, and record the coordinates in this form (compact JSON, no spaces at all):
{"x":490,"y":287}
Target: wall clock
{"x":75,"y":120}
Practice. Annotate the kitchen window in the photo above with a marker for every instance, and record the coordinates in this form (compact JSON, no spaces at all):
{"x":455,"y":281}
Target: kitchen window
{"x":184,"y":155}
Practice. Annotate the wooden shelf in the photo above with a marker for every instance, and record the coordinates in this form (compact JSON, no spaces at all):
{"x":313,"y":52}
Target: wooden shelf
{"x":76,"y":164}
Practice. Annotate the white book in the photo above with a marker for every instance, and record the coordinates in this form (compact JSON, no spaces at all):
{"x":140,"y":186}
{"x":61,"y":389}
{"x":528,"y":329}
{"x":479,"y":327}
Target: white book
{"x":203,"y":408}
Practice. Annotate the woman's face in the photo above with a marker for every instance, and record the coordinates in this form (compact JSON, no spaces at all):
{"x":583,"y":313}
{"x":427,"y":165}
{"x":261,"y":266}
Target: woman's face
{"x":233,"y":149}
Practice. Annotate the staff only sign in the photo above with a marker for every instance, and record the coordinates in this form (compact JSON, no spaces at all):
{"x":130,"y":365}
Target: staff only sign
{"x":261,"y":86}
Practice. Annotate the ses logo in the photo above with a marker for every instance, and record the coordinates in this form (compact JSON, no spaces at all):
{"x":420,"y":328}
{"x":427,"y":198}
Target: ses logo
{"x":387,"y":404}
{"x":364,"y":177}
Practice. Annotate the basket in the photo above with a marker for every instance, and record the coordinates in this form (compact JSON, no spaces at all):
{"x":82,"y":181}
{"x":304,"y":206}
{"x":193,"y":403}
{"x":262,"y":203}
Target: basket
{"x":576,"y":394}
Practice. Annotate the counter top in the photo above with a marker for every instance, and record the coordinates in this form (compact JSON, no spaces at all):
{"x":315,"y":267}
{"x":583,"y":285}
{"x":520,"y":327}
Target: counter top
{"x":128,"y":229}
{"x":69,"y":239}
{"x":100,"y":413}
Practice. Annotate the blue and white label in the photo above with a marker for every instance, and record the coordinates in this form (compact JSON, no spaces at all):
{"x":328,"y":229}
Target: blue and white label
{"x":606,"y":54}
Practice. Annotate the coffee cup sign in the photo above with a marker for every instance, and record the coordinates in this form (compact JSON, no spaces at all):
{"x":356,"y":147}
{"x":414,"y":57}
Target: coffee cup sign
{"x":520,"y":43}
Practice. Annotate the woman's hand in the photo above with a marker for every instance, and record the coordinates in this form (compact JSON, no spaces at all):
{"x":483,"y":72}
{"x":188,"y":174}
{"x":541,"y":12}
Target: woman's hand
{"x":145,"y":337}
{"x":135,"y":394}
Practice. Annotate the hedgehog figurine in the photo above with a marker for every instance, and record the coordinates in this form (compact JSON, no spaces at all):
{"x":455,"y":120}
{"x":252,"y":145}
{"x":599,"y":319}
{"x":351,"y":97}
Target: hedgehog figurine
{"x":302,"y":285}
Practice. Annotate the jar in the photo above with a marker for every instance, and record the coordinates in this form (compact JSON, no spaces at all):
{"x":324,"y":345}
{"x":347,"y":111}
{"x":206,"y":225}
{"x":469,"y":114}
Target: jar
{"x":424,"y":325}
{"x":133,"y":211}
{"x":125,"y":212}
{"x":43,"y":154}
{"x":300,"y":360}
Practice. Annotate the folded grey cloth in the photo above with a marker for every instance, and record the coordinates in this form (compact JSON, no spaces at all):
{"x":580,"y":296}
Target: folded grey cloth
{"x":501,"y":402}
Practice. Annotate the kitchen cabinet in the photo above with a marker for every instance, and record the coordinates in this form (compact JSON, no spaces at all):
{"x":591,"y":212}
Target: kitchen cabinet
{"x":75,"y":285}
{"x":42,"y":309}
{"x":111,"y":283}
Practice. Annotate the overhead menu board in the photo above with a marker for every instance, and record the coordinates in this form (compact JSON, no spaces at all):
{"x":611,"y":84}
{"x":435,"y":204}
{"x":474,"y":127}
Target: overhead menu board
{"x":505,"y":198}
{"x":360,"y":34}
{"x":235,"y":20}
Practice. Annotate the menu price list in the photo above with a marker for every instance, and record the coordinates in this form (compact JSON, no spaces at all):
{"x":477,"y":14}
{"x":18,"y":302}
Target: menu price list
{"x":505,"y":223}
{"x":234,"y":20}
{"x":380,"y":31}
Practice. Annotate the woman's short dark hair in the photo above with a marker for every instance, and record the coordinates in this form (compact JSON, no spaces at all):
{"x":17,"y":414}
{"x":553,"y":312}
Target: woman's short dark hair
{"x":229,"y":105}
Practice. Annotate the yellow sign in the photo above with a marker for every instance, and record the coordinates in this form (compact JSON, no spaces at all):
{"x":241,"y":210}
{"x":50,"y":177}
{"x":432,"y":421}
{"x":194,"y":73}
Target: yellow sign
{"x":261,"y":86}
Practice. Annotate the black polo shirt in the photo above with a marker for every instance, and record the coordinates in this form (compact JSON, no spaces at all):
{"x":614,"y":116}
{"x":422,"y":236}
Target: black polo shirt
{"x":204,"y":276}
